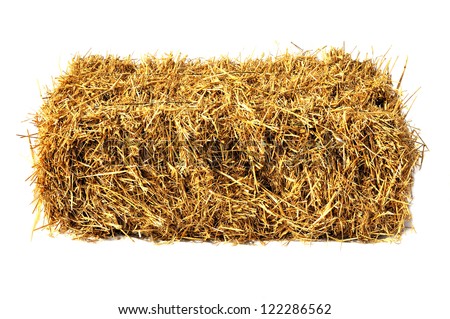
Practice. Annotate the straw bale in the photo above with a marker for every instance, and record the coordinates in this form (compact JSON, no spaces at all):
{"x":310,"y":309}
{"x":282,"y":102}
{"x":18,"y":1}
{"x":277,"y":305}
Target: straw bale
{"x":311,"y":146}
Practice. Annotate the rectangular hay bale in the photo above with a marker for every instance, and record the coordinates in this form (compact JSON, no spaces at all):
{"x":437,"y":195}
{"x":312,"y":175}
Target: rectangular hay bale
{"x":293,"y":147}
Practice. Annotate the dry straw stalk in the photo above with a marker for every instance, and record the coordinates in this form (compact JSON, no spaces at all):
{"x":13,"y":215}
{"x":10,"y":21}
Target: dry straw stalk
{"x":293,"y":147}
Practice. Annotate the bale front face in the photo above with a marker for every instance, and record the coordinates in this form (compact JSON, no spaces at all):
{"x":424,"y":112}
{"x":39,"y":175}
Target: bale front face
{"x":285,"y":148}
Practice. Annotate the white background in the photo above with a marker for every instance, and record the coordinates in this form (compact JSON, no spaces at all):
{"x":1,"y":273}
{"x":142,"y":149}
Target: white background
{"x":61,"y":278}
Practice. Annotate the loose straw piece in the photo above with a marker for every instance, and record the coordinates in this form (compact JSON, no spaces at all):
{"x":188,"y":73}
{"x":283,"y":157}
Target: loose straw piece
{"x":293,"y":147}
